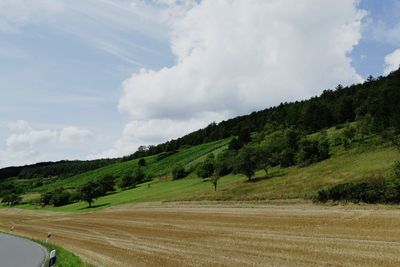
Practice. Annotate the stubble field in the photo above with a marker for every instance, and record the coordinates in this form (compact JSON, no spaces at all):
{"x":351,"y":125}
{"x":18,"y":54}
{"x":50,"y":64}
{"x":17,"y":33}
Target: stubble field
{"x":192,"y":234}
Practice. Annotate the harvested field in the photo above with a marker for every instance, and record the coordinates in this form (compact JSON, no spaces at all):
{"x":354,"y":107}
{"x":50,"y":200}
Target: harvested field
{"x":211,"y":235}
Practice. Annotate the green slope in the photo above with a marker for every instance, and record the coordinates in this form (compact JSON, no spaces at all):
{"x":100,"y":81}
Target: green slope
{"x":281,"y":183}
{"x":187,"y":157}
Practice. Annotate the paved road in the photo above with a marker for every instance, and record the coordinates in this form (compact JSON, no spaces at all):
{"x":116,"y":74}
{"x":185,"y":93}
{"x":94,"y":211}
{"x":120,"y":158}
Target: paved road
{"x":19,"y":252}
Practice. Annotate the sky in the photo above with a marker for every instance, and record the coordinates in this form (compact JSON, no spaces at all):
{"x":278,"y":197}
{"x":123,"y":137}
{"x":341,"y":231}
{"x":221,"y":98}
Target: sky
{"x":85,"y":79}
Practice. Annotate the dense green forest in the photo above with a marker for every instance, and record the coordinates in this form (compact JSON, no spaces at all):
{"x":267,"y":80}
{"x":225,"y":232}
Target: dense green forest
{"x":62,"y":168}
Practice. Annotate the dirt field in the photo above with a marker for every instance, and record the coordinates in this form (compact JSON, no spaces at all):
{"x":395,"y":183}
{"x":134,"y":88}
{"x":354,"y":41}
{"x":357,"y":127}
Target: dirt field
{"x":200,"y":235}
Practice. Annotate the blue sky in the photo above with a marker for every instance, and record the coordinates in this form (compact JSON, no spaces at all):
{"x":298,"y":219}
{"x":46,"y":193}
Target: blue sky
{"x":97,"y":78}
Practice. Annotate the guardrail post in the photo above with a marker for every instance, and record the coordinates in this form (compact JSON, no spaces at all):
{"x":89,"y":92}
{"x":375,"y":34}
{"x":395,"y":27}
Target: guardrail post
{"x":52,"y":261}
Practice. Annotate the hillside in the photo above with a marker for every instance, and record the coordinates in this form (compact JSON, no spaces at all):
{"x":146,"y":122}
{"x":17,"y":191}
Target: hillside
{"x":373,"y":159}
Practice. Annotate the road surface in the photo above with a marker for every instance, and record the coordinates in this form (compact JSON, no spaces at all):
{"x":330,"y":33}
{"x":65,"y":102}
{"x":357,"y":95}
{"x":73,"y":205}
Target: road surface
{"x":19,"y":252}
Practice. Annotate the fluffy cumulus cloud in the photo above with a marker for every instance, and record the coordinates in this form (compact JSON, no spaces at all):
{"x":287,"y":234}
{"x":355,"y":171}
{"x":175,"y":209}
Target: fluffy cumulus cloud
{"x":74,"y":134}
{"x":234,"y":57}
{"x":21,"y":141}
{"x":392,"y":62}
{"x":28,"y":145}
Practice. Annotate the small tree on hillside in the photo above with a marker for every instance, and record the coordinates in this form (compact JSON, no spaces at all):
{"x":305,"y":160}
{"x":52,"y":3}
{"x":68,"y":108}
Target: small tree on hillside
{"x":139,"y":176}
{"x":247,"y":161}
{"x":364,"y":126}
{"x":106,"y":184}
{"x":178,"y":172}
{"x":131,"y":180}
{"x":60,"y":197}
{"x":349,"y":133}
{"x":265,"y":157}
{"x":127,"y":181}
{"x":206,"y":168}
{"x":89,"y":192}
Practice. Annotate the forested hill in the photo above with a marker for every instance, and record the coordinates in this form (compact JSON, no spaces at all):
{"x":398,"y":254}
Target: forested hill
{"x":63,"y":168}
{"x":378,"y":97}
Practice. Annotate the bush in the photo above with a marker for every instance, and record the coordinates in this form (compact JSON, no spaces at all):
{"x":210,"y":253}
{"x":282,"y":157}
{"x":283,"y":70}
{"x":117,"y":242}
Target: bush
{"x":312,"y":151}
{"x":106,"y":184}
{"x":60,"y":197}
{"x":57,"y":197}
{"x":224,"y":163}
{"x":378,"y":191}
{"x":206,"y":168}
{"x":45,"y":198}
{"x":178,"y":172}
{"x":11,"y":199}
{"x":131,"y":180}
{"x":127,"y":181}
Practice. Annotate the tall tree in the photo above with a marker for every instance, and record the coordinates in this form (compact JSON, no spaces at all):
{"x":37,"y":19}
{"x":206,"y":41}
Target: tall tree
{"x":246,"y":162}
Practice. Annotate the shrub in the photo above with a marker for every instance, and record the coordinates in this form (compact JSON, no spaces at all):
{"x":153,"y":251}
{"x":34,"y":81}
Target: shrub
{"x":60,"y":197}
{"x":57,"y":197}
{"x":178,"y":172}
{"x":131,"y":180}
{"x":224,"y":163}
{"x":11,"y":199}
{"x":106,"y":184}
{"x":312,"y":151}
{"x":206,"y":168}
{"x":377,"y":191}
{"x":127,"y":181}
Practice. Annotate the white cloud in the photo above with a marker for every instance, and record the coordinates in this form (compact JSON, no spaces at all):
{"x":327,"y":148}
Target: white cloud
{"x":28,"y":145}
{"x":22,"y":141}
{"x":18,"y":125}
{"x":392,"y":62}
{"x":234,"y":57}
{"x":238,"y":56}
{"x":74,"y":134}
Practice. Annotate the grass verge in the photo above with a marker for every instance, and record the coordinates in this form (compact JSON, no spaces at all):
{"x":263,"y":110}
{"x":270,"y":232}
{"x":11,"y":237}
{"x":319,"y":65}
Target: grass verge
{"x":65,"y":258}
